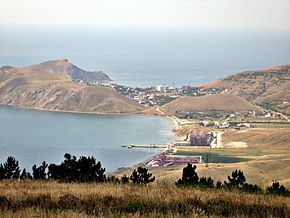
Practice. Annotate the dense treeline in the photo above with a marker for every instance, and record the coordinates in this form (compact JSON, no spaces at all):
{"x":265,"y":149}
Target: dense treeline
{"x":87,"y":169}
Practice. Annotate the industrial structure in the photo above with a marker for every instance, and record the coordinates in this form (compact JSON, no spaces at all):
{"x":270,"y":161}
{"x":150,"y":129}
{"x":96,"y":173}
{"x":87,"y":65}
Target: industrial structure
{"x":199,"y":137}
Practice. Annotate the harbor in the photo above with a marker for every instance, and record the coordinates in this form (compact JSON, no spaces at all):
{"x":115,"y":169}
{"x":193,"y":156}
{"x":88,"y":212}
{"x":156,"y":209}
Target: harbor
{"x":165,"y":157}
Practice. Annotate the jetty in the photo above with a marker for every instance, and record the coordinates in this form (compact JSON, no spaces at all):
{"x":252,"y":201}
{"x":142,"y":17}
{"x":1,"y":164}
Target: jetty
{"x":147,"y":146}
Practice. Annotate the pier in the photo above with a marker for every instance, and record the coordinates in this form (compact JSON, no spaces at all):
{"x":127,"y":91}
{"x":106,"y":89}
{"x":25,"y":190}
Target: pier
{"x":147,"y":146}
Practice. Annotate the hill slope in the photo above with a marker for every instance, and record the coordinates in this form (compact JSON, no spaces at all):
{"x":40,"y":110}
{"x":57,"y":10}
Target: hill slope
{"x":49,"y":86}
{"x":268,"y":87}
{"x":223,"y":103}
{"x":62,"y":67}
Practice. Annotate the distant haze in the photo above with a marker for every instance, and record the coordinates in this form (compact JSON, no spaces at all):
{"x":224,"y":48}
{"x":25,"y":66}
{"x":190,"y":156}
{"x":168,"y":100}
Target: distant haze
{"x":269,"y":14}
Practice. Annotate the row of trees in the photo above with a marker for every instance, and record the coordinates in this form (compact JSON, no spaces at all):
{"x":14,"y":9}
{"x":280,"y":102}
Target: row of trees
{"x":86,"y":169}
{"x":237,"y":180}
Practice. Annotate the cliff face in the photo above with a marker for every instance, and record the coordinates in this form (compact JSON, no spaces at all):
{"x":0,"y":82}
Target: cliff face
{"x":49,"y":86}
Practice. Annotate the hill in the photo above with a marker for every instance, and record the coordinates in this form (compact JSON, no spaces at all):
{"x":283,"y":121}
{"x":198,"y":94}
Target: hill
{"x":269,"y":88}
{"x":221,"y":103}
{"x":63,"y":67}
{"x":50,"y":86}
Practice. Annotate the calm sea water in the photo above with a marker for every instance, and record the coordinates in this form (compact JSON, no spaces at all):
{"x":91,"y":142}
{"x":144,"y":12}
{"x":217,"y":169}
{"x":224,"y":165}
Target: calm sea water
{"x":33,"y":136}
{"x":139,"y":57}
{"x":147,"y":56}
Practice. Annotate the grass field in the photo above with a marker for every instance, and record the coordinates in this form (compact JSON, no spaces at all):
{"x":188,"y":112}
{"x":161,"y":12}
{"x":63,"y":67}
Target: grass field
{"x":43,"y":198}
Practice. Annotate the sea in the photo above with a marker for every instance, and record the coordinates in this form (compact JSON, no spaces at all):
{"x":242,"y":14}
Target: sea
{"x":148,"y":56}
{"x":33,"y":136}
{"x":130,"y":56}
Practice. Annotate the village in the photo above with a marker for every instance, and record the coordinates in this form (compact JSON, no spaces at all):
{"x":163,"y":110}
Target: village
{"x":162,"y":94}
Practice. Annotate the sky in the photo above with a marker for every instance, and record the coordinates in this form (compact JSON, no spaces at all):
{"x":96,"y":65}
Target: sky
{"x":266,"y":14}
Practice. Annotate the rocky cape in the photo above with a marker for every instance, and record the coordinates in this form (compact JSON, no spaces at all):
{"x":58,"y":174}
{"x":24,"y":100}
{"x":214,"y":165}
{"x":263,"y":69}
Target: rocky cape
{"x":53,"y":85}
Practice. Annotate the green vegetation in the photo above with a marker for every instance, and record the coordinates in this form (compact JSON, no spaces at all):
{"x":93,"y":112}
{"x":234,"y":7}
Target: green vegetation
{"x":213,"y":157}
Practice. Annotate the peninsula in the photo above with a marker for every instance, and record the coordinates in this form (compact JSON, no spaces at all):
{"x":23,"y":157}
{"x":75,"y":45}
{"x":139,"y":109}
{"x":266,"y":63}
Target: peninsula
{"x":61,"y":86}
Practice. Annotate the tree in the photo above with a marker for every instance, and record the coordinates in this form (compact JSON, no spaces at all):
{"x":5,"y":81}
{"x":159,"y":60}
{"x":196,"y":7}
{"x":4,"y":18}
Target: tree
{"x":141,"y":176}
{"x":236,"y":180}
{"x":249,"y":188}
{"x":25,"y":175}
{"x":125,"y":179}
{"x":205,"y":182}
{"x":189,"y":176}
{"x":2,"y":172}
{"x":85,"y":169}
{"x":39,"y":172}
{"x":277,"y":189}
{"x":10,"y":169}
{"x":219,"y":184}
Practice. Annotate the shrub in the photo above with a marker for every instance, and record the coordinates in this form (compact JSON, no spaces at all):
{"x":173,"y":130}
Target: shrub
{"x":125,"y":179}
{"x":205,"y":182}
{"x":141,"y":176}
{"x":236,"y":180}
{"x":277,"y":189}
{"x":219,"y":185}
{"x":249,"y":188}
{"x":113,"y":179}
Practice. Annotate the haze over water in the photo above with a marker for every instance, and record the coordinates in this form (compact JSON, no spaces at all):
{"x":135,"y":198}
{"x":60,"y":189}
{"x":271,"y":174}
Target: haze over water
{"x":148,"y":56}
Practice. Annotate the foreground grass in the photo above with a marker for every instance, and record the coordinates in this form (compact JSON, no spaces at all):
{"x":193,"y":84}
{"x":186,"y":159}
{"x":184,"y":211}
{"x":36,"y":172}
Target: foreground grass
{"x":53,"y":199}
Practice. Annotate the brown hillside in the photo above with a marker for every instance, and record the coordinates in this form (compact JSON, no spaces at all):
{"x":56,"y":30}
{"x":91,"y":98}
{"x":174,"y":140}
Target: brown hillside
{"x":38,"y":87}
{"x":263,"y":87}
{"x":225,"y":103}
{"x":62,"y":67}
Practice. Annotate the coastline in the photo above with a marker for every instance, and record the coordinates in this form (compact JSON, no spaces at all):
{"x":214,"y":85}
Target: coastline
{"x":174,"y":125}
{"x":73,"y":112}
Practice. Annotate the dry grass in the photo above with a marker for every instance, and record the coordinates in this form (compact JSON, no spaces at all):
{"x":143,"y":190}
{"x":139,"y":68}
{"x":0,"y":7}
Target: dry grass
{"x":129,"y":200}
{"x":267,"y":152}
{"x":267,"y":85}
{"x":268,"y":138}
{"x":226,"y":103}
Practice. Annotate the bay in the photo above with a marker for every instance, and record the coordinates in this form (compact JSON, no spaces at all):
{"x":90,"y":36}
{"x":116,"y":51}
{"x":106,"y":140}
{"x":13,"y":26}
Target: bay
{"x":33,"y":136}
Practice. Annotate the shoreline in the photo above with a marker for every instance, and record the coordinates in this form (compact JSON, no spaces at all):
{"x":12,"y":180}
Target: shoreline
{"x":175,"y":124}
{"x":76,"y":112}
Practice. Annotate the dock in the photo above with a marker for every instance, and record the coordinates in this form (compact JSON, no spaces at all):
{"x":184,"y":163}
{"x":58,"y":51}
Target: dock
{"x":146,"y":146}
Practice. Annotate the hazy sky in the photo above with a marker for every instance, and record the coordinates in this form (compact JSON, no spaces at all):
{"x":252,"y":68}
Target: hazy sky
{"x":270,"y":14}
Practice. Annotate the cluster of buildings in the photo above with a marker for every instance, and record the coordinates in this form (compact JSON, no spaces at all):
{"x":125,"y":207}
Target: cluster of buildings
{"x":199,"y":137}
{"x":167,"y":159}
{"x":161,"y":94}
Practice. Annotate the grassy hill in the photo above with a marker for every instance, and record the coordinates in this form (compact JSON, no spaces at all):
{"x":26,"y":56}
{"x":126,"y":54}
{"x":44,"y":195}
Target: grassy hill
{"x":269,"y":88}
{"x":49,"y":86}
{"x":223,"y":103}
